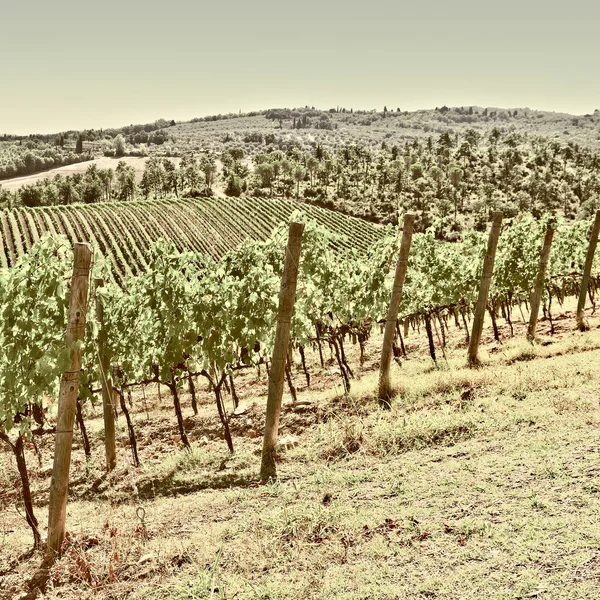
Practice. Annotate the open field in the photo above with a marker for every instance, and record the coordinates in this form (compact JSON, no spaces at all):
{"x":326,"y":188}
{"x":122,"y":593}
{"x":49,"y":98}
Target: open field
{"x":138,"y":163}
{"x":478,"y":483}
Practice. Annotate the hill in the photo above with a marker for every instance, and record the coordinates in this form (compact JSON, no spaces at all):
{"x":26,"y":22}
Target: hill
{"x":478,"y":483}
{"x":309,"y":127}
{"x":123,"y":231}
{"x":458,"y":164}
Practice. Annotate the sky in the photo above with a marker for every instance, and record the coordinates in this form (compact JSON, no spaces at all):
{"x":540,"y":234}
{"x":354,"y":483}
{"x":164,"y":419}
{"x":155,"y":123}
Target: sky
{"x":79,"y":65}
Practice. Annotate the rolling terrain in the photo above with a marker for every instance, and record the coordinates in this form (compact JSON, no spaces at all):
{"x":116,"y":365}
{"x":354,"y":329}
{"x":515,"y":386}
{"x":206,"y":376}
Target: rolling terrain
{"x":457,"y":164}
{"x":337,"y":127}
{"x":124,"y":231}
{"x":475,"y":482}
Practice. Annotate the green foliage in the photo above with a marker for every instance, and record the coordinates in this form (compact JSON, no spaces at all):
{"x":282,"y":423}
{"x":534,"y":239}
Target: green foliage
{"x":119,"y":146}
{"x":235,"y":186}
{"x":188,"y":313}
{"x":33,"y":304}
{"x":32,"y":156}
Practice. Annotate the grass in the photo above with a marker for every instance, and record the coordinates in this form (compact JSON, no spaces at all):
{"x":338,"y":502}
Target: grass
{"x":478,"y":483}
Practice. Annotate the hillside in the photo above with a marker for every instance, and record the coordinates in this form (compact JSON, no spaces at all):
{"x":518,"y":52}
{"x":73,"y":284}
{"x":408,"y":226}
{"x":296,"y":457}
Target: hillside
{"x":306,"y":127}
{"x":456,"y":164}
{"x":475,"y":482}
{"x":478,"y":483}
{"x":124,"y":231}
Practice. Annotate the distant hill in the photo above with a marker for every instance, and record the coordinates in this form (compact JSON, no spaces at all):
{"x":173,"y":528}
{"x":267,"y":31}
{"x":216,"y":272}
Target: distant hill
{"x":456,"y":164}
{"x":308,"y":126}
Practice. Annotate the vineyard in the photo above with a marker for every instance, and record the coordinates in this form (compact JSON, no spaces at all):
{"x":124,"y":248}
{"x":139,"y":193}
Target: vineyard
{"x":203,"y":303}
{"x":124,"y":232}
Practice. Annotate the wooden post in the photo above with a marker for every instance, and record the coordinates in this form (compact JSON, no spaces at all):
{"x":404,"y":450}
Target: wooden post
{"x":110,"y":445}
{"x":67,"y":399}
{"x":287,"y":297}
{"x":582,"y":323}
{"x":385,"y":388}
{"x":536,"y":297}
{"x":484,"y":287}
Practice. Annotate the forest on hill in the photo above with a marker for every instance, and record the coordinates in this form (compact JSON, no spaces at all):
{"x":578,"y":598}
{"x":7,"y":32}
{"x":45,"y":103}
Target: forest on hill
{"x":455,"y":164}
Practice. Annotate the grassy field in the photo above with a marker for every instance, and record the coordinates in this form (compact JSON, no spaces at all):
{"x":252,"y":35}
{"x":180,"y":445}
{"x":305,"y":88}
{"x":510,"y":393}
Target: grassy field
{"x":138,"y":163}
{"x":477,"y":484}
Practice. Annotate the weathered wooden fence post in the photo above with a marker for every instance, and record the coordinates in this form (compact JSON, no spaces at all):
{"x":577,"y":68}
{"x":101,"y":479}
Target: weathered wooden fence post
{"x":67,"y":399}
{"x":484,"y":287}
{"x":287,"y":297}
{"x":582,"y":323}
{"x":110,"y":445}
{"x":538,"y":290}
{"x":385,"y":388}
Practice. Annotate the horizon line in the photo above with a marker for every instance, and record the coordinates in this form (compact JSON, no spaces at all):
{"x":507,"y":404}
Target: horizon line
{"x":338,"y":108}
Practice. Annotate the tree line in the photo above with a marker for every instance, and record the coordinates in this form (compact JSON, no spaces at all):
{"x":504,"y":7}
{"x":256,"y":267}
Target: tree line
{"x":459,"y":178}
{"x":25,"y":157}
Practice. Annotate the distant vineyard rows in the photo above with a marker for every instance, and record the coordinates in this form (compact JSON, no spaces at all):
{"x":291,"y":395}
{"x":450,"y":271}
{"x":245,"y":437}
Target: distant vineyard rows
{"x":124,"y":232}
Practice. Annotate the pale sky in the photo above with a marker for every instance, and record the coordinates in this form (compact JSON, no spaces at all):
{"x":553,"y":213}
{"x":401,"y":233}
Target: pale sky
{"x":75,"y":65}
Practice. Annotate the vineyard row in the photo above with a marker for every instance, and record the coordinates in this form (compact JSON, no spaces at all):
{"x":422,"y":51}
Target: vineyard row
{"x":182,"y":318}
{"x":124,"y":231}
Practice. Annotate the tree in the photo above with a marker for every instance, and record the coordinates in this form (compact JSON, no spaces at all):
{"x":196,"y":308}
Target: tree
{"x":65,"y":189}
{"x":119,"y":146}
{"x":456,"y":174}
{"x":106,"y":177}
{"x":92,"y":191}
{"x":7,"y":199}
{"x":125,"y":176}
{"x":299,"y":175}
{"x":265,"y":173}
{"x":190,"y":173}
{"x":32,"y":195}
{"x":235,"y":186}
{"x":237,"y":153}
{"x":437,"y":175}
{"x":79,"y":144}
{"x":171,"y":179}
{"x":154,"y":177}
{"x":311,"y":167}
{"x":209,"y":168}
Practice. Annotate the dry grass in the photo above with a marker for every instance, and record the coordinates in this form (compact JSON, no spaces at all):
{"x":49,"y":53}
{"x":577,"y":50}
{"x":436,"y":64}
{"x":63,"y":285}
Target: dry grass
{"x":477,"y":483}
